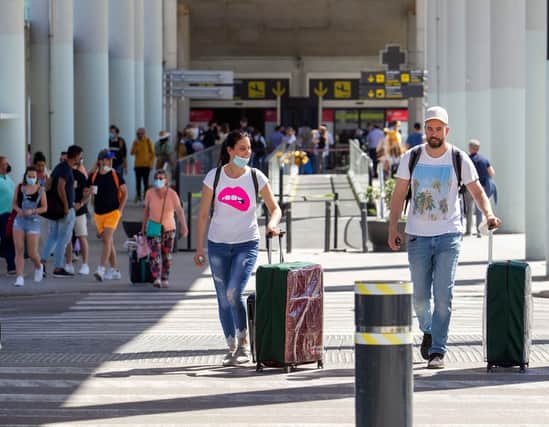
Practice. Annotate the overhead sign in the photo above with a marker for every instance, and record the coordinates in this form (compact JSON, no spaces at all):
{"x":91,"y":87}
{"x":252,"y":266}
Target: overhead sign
{"x":334,"y":89}
{"x":391,"y":84}
{"x":198,"y":84}
{"x":261,"y":89}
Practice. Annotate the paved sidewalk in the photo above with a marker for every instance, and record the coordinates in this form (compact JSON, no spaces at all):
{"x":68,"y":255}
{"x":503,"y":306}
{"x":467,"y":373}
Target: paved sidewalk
{"x":81,"y":352}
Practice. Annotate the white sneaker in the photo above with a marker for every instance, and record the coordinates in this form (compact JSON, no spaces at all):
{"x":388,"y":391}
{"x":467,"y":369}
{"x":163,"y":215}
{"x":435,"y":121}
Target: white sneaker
{"x":241,"y":355}
{"x":19,"y":281}
{"x":69,"y":268}
{"x":100,"y":274}
{"x":39,"y":274}
{"x":84,"y":270}
{"x":113,"y":274}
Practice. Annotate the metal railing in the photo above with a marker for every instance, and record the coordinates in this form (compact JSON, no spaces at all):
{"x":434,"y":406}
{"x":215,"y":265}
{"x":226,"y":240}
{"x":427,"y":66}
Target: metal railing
{"x":199,"y":163}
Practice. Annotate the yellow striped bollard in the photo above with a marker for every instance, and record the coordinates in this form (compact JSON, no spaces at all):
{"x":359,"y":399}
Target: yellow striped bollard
{"x":383,"y":354}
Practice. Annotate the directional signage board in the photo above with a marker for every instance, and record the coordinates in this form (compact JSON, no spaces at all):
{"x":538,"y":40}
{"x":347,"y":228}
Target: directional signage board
{"x":261,"y":89}
{"x":391,"y":84}
{"x":334,"y":89}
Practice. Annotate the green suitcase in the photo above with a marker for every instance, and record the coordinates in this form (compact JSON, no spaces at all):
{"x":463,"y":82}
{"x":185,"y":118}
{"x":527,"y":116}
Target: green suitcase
{"x":288,"y":315}
{"x":508,"y":315}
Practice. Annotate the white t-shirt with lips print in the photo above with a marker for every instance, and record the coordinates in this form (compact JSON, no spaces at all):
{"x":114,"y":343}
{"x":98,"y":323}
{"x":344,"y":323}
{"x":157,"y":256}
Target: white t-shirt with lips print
{"x":234,"y":219}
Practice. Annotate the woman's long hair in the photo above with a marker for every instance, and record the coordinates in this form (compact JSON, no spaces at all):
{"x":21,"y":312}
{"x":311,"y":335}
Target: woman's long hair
{"x":231,"y":140}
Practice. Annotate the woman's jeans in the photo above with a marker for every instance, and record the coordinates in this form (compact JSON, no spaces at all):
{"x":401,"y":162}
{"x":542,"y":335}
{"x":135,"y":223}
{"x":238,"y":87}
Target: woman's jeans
{"x":433,"y":261}
{"x":232,"y":265}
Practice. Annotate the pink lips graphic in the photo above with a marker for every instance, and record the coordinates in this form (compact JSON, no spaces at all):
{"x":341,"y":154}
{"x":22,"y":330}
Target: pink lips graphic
{"x":235,"y":197}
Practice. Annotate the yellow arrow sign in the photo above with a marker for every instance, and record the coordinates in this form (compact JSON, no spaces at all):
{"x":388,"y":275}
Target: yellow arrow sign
{"x":279,"y":90}
{"x":380,"y":93}
{"x":371,"y":93}
{"x":371,"y":78}
{"x":320,"y":90}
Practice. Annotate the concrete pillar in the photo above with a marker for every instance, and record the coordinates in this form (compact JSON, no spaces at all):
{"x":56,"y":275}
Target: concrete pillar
{"x":122,"y":75}
{"x":416,"y":57}
{"x":140,"y":28}
{"x":183,"y":59}
{"x":39,"y":79}
{"x":169,"y":35}
{"x":456,"y":60}
{"x":479,"y":111}
{"x":508,"y":106}
{"x":62,"y":77}
{"x":536,"y":181}
{"x":437,"y":53}
{"x":91,"y":66}
{"x":153,"y":66}
{"x":12,"y":85}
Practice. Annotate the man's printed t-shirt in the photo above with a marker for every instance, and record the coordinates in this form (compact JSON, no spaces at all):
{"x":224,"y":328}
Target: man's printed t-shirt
{"x":435,"y":207}
{"x":234,"y":219}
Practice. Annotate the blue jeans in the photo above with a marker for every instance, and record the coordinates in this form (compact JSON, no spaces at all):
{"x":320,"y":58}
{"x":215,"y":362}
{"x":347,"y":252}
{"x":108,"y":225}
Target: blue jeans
{"x":232,"y":266}
{"x":59,"y":236}
{"x":433,"y":261}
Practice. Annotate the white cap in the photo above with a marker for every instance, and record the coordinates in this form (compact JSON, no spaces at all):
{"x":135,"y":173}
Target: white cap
{"x":436,"y":113}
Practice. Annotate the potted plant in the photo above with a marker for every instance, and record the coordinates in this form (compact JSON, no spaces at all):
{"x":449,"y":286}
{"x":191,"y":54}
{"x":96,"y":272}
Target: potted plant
{"x":378,"y":228}
{"x":372,"y":196}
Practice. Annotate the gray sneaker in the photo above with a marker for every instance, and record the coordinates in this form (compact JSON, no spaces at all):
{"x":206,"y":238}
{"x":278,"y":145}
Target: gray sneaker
{"x":436,"y":361}
{"x":242,"y":355}
{"x":229,"y":359}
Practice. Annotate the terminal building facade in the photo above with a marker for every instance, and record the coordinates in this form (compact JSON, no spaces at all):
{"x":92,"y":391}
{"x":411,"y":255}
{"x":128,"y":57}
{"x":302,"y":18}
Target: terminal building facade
{"x":73,"y":67}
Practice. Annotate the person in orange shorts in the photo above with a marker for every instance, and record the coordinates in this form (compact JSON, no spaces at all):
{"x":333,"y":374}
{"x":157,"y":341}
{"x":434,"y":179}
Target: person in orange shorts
{"x":110,"y":195}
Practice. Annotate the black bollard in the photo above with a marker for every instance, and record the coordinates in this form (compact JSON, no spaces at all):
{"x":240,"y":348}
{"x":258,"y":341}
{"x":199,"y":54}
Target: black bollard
{"x":383,"y":354}
{"x":327,"y":219}
{"x":364,"y":225}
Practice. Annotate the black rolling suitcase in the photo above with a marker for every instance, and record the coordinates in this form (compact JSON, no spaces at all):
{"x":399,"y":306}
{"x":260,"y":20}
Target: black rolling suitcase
{"x":140,"y":268}
{"x":508,"y":310}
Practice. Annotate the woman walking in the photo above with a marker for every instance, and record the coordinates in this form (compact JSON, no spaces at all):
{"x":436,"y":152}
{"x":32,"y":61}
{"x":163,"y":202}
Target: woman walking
{"x":231,"y":191}
{"x":29,"y":201}
{"x":161,"y":202}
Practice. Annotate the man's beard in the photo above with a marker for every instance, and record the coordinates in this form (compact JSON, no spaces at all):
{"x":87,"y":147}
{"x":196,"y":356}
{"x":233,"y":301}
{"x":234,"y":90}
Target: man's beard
{"x":435,"y":142}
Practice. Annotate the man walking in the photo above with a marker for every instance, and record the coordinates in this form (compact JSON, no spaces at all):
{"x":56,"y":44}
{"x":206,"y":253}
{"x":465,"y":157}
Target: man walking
{"x":434,"y":226}
{"x":60,"y":230}
{"x":110,"y":196}
{"x":118,"y":146}
{"x":143,"y":150}
{"x":486,"y":173}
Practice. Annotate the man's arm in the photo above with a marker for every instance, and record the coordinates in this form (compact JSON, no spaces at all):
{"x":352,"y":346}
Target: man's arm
{"x":397,"y":205}
{"x":124,"y":198}
{"x":491,"y":171}
{"x":62,"y":194}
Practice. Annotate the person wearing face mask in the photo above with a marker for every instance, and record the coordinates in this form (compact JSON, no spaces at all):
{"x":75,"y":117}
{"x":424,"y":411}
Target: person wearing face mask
{"x":110,"y":195}
{"x":7,"y":188}
{"x":233,"y":236}
{"x":117,"y":145}
{"x":161,"y":203}
{"x":29,"y":201}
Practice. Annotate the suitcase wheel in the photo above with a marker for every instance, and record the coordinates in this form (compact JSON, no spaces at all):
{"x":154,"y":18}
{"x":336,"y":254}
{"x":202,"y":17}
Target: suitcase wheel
{"x":489,"y":368}
{"x":523,"y":368}
{"x":259,"y":367}
{"x":320,"y":364}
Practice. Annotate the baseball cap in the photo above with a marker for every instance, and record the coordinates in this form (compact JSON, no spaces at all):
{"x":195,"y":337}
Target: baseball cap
{"x":436,"y":113}
{"x":105,"y":154}
{"x":474,"y":143}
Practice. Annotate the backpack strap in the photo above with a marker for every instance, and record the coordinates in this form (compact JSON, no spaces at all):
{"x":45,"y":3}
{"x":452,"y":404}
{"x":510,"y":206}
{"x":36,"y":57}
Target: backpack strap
{"x":256,"y":183}
{"x":415,"y":154}
{"x":216,"y":181}
{"x":114,"y":178}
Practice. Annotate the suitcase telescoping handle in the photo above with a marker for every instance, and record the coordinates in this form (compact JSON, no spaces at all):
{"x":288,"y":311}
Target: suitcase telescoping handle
{"x":270,"y":249}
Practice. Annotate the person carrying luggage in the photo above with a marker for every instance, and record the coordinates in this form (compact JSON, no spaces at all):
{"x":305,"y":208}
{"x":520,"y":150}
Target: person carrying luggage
{"x":161,"y":203}
{"x":434,"y":226}
{"x":231,"y":191}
